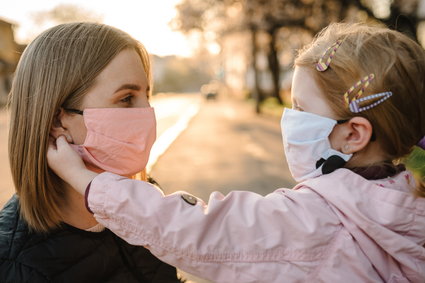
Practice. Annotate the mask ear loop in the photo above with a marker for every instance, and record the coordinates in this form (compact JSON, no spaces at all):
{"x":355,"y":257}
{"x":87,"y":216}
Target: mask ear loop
{"x":76,"y":111}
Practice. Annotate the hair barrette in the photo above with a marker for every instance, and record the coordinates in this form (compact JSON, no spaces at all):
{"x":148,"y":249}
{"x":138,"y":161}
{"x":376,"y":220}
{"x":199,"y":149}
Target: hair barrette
{"x":355,"y":107}
{"x":421,"y":143}
{"x":322,"y":64}
{"x":364,"y":83}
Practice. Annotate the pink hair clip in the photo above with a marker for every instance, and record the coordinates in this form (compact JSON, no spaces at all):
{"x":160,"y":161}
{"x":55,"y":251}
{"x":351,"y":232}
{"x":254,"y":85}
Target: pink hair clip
{"x":354,"y":105}
{"x":364,"y":82}
{"x":322,"y":64}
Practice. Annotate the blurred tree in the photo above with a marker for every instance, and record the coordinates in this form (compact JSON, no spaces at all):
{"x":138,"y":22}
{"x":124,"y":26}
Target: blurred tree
{"x":178,"y":74}
{"x":271,"y":16}
{"x":255,"y":16}
{"x":402,"y":15}
{"x":222,"y":17}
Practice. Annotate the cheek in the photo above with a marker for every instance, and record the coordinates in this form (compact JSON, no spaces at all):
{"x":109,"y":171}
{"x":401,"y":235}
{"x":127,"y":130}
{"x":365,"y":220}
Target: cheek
{"x":141,"y":101}
{"x":335,"y":139}
{"x":78,"y":131}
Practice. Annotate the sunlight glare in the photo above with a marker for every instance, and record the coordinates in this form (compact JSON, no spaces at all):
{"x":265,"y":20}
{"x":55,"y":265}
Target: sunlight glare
{"x":147,"y":21}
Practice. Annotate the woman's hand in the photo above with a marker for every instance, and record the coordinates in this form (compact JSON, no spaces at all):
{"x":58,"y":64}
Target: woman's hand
{"x":68,"y":165}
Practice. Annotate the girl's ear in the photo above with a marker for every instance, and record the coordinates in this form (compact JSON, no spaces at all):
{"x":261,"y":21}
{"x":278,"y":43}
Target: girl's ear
{"x":357,"y":134}
{"x":57,"y":127}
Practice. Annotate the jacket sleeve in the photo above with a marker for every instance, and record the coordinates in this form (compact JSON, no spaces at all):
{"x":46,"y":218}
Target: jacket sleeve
{"x":12,"y":271}
{"x":235,"y":238}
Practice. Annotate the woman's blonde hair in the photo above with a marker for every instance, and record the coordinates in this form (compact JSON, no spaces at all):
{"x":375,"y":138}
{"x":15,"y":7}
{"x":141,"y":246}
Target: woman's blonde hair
{"x":56,"y":70}
{"x":398,"y":64}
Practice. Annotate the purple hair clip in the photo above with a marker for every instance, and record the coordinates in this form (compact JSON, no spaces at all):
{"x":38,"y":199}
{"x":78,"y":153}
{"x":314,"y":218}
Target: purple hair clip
{"x":323,"y":63}
{"x":421,"y":143}
{"x":355,"y":103}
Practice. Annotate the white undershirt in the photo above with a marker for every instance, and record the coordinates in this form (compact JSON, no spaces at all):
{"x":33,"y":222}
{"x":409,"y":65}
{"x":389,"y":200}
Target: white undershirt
{"x":96,"y":228}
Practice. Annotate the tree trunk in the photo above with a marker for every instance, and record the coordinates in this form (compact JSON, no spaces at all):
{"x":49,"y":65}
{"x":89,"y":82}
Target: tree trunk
{"x":258,"y":92}
{"x":406,"y":24}
{"x":274,"y":65}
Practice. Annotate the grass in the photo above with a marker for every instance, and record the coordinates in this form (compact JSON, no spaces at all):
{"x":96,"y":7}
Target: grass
{"x":270,"y":106}
{"x":416,"y":162}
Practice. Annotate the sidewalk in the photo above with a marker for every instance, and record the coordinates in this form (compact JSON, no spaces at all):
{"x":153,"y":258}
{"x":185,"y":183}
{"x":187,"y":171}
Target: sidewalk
{"x":7,"y":188}
{"x":225,"y":147}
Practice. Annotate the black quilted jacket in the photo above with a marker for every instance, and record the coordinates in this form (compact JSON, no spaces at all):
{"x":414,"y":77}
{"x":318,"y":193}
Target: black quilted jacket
{"x":69,"y":254}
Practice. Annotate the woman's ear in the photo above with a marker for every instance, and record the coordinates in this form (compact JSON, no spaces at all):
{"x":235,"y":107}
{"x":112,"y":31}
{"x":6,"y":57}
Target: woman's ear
{"x":356,"y":135}
{"x":58,"y":129}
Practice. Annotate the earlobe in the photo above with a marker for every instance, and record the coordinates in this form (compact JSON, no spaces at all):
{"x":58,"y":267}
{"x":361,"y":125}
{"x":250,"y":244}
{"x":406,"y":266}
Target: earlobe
{"x":359,"y":134}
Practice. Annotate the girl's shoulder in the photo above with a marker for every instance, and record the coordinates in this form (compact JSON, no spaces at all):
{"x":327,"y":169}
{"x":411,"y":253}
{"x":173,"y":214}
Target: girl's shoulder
{"x":344,"y":180}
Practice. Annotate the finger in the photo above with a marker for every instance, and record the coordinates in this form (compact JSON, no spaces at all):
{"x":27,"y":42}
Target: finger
{"x":61,"y":141}
{"x":52,"y":142}
{"x":51,"y":149}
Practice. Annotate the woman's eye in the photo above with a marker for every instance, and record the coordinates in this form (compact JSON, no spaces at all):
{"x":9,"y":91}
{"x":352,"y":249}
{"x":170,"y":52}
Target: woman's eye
{"x":127,"y":99}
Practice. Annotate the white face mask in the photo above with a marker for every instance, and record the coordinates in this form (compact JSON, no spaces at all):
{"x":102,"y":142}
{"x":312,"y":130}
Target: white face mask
{"x":307,"y":147}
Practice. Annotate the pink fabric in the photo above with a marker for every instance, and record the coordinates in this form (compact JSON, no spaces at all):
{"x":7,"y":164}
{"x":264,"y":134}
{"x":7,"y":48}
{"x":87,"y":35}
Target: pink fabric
{"x":118,"y":140}
{"x":334,"y":228}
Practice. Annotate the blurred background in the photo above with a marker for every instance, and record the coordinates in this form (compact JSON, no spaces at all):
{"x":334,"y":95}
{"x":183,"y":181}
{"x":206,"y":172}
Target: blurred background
{"x":222,"y":75}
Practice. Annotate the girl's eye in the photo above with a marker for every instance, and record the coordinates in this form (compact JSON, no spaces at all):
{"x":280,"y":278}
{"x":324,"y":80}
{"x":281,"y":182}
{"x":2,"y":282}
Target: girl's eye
{"x":296,"y":107}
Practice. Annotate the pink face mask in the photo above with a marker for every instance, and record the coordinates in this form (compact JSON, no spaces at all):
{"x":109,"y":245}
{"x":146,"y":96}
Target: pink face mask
{"x":118,"y":140}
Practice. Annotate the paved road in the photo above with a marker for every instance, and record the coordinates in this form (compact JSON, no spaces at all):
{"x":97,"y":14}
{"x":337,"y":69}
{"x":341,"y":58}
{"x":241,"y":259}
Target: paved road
{"x":226,"y":147}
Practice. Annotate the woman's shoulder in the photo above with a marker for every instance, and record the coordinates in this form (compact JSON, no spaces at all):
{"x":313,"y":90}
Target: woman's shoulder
{"x":13,"y":229}
{"x":14,"y":234}
{"x":68,"y":252}
{"x":141,"y":259}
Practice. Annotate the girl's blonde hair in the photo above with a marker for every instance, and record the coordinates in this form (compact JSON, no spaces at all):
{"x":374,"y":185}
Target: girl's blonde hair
{"x":398,"y":64}
{"x":56,"y":70}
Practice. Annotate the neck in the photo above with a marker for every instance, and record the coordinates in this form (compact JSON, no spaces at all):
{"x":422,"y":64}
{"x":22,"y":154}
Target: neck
{"x":74,"y":211}
{"x":369,"y":156}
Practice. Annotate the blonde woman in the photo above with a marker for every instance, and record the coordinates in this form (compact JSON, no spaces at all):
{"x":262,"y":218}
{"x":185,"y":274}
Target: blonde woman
{"x":357,"y":215}
{"x":47,"y":235}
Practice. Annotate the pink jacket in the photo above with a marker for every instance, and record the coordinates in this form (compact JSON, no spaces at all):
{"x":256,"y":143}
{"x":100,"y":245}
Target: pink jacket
{"x":338,"y":227}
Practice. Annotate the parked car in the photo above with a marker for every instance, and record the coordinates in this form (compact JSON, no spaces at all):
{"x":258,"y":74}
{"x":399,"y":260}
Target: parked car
{"x":209,"y":91}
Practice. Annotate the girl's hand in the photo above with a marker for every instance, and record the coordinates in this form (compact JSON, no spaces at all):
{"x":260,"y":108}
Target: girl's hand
{"x":68,"y":165}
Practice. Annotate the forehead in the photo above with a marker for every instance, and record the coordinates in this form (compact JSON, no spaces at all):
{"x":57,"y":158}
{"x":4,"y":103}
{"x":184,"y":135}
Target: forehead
{"x":126,"y":68}
{"x":307,"y":94}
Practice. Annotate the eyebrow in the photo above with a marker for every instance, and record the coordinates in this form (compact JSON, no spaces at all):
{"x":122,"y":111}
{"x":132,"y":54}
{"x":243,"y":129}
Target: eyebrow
{"x":129,"y":86}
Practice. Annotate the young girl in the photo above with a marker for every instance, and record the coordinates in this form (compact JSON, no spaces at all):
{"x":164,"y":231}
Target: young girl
{"x":356,"y":215}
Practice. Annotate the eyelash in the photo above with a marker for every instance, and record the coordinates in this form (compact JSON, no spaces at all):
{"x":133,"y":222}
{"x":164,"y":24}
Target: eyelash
{"x":127,"y":99}
{"x":296,"y":107}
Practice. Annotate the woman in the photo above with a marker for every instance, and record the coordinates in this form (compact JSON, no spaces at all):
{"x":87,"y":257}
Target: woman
{"x":46,"y":232}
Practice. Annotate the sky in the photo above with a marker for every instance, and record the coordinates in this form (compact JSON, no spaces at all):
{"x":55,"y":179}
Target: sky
{"x":145,"y":20}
